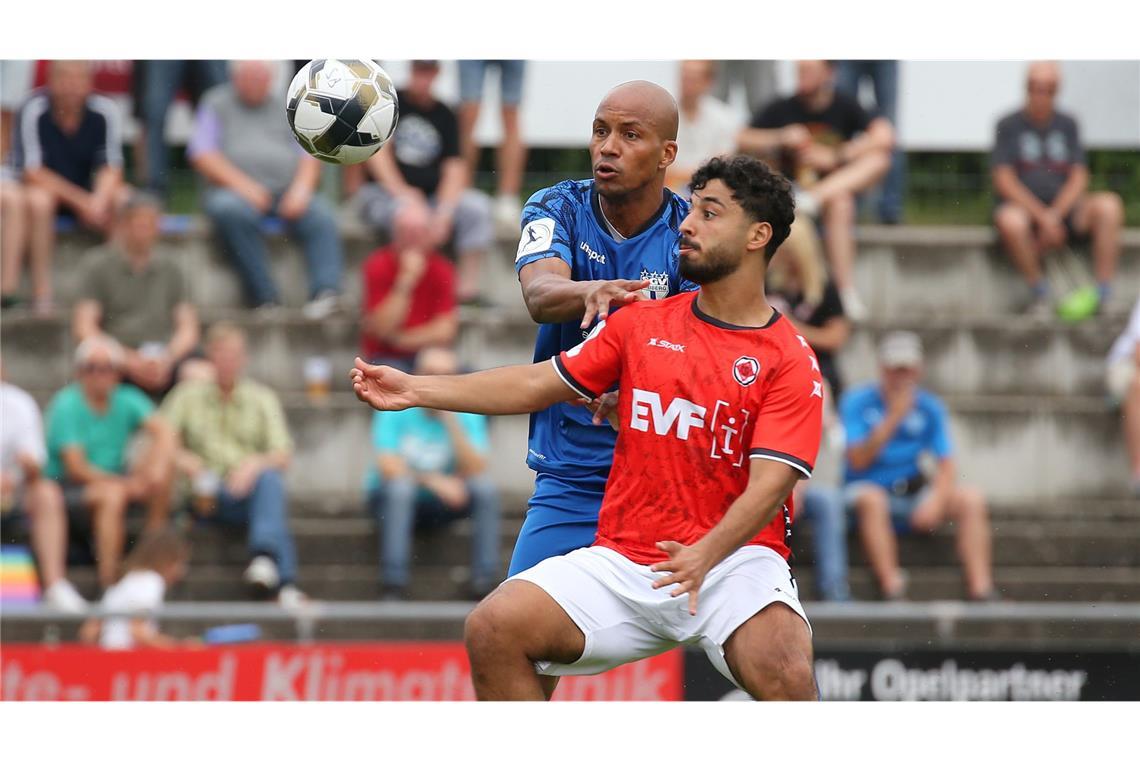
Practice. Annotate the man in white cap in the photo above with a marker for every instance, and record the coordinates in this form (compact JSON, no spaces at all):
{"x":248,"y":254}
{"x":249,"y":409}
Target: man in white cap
{"x":891,"y":425}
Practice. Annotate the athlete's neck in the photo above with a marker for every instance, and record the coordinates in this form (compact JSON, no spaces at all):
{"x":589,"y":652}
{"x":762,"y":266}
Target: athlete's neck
{"x":630,"y":213}
{"x":735,"y":300}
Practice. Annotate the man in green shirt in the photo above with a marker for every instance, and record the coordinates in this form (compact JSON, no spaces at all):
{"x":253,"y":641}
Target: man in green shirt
{"x":90,"y":425}
{"x":235,"y":447}
{"x":140,"y":299}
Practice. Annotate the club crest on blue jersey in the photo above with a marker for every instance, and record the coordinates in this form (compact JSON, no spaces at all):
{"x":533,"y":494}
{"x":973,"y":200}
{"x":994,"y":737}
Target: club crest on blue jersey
{"x":658,"y":284}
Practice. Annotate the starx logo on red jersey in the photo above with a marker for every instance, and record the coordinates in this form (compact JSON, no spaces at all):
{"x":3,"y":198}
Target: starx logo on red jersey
{"x":667,"y":344}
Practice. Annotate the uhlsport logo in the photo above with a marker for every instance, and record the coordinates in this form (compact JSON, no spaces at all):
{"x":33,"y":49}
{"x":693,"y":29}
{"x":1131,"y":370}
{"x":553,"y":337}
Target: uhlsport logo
{"x":745,"y":370}
{"x":591,"y":254}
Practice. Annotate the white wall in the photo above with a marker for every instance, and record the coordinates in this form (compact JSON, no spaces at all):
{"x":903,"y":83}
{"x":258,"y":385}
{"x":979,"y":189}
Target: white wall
{"x":944,"y":105}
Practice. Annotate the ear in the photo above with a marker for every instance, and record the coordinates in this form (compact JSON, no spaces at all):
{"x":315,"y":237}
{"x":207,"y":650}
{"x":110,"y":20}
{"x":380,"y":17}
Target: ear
{"x":668,"y":155}
{"x":759,"y":233}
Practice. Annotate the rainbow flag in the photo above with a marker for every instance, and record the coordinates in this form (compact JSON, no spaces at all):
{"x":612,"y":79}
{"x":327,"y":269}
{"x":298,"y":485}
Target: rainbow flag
{"x":18,"y":581}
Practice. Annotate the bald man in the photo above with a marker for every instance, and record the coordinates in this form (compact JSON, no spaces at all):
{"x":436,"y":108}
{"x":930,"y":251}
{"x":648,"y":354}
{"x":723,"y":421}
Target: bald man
{"x":589,"y":246}
{"x":1041,"y":180}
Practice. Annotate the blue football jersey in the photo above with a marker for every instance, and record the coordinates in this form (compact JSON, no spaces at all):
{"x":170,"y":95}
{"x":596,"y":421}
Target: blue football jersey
{"x":566,"y":221}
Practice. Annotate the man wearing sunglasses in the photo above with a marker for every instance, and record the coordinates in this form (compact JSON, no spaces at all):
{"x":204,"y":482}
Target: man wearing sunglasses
{"x":91,"y":425}
{"x":1041,"y":181}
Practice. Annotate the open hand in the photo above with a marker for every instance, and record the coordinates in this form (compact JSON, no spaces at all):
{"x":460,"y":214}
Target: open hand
{"x":385,"y":389}
{"x":605,"y":292}
{"x":687,"y":567}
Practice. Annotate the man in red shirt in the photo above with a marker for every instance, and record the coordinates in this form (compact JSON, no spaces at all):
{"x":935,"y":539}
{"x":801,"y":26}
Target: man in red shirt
{"x":720,"y":411}
{"x":409,"y":293}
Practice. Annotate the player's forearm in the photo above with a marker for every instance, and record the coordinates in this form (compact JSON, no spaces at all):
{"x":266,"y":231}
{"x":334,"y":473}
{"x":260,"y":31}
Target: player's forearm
{"x":1075,"y":185}
{"x":552,"y":298}
{"x":747,"y":516}
{"x":518,"y":389}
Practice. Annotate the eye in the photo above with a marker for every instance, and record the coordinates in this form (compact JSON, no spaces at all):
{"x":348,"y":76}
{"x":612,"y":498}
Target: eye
{"x":707,"y":214}
{"x":631,"y":135}
{"x":599,"y":131}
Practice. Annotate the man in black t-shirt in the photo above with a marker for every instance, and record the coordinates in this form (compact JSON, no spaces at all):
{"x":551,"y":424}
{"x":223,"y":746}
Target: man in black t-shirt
{"x":1041,"y":180}
{"x":422,"y":164}
{"x":67,"y":152}
{"x":832,"y":150}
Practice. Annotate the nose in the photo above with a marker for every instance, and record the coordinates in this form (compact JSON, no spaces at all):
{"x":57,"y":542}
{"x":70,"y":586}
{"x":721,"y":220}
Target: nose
{"x":687,"y":227}
{"x":609,"y":145}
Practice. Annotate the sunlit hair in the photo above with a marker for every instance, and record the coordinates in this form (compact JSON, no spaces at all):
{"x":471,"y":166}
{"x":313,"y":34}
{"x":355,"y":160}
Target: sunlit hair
{"x":95,"y":343}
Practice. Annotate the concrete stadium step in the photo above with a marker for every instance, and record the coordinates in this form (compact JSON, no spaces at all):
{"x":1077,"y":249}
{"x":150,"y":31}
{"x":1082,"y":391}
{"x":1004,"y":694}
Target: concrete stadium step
{"x":214,"y":283}
{"x":956,"y":270}
{"x":1017,"y":542}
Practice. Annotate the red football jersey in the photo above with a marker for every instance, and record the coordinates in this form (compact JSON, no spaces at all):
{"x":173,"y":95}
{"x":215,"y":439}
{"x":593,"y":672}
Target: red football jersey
{"x":698,"y":398}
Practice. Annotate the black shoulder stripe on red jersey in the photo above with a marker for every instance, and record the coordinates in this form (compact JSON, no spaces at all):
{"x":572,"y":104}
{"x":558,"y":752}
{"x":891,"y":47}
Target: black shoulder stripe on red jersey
{"x":780,"y":456}
{"x":577,"y":387}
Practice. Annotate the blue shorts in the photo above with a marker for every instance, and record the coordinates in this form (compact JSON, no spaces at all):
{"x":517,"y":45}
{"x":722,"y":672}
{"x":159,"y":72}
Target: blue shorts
{"x":901,"y":507}
{"x":471,"y":75}
{"x":563,"y":516}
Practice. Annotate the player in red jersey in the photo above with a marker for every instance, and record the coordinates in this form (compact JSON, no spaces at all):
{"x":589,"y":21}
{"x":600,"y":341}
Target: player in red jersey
{"x":720,"y":409}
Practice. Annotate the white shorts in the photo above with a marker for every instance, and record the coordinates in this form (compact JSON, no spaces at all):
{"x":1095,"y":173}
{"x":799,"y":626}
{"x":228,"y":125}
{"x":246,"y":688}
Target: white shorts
{"x":612,"y":600}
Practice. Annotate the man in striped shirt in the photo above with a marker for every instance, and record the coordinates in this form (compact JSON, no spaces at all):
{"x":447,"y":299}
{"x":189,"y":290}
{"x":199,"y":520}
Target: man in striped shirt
{"x":67,"y":152}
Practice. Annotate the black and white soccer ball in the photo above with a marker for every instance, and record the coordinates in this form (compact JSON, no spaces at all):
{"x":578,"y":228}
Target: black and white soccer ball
{"x":342,"y":111}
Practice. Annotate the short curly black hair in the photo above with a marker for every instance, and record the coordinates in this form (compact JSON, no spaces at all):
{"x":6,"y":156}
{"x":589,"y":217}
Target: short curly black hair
{"x":765,"y":194}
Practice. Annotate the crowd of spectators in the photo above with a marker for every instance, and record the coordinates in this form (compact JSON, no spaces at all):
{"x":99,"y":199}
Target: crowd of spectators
{"x":157,"y":418}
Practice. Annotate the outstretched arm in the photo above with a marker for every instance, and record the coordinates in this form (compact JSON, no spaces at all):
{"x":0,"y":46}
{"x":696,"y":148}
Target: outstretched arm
{"x":519,"y":389}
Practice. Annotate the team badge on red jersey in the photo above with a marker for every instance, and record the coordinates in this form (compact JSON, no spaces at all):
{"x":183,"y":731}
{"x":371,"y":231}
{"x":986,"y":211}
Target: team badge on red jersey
{"x":746,"y":370}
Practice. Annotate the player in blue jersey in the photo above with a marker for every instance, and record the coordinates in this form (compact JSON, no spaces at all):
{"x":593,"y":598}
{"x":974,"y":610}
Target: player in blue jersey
{"x":589,"y":246}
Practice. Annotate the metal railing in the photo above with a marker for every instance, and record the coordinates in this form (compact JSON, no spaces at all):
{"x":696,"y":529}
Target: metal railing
{"x":943,"y":615}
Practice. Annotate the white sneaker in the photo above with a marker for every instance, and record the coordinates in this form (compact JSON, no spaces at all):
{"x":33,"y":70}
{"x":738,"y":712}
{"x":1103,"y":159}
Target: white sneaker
{"x":262,"y":572}
{"x":506,"y":213}
{"x":853,"y":306}
{"x":323,"y":305}
{"x":62,"y":597}
{"x":292,"y":598}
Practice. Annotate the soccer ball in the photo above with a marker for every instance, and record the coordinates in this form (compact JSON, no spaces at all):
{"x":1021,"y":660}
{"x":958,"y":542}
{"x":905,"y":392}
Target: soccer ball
{"x":341,"y":111}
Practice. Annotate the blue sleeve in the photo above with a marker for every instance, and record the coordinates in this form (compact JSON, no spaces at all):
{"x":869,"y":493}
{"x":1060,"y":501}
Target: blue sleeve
{"x":475,"y":428}
{"x":855,"y":425}
{"x":547,"y":227}
{"x":939,"y":441}
{"x":386,"y":428}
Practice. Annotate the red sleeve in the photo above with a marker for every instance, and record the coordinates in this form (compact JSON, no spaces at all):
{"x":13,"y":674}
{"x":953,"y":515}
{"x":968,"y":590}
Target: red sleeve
{"x":790,"y":421}
{"x":379,"y":277}
{"x":594,"y":365}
